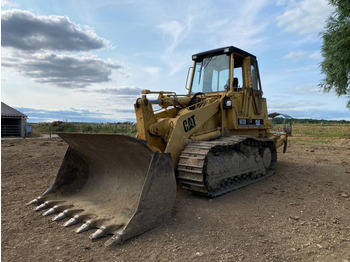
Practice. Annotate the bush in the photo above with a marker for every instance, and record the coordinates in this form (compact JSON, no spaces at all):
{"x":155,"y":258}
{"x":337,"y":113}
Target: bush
{"x":125,"y":128}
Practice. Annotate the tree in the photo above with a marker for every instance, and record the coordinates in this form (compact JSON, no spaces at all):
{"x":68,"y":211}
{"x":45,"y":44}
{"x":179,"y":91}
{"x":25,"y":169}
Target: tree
{"x":336,"y":50}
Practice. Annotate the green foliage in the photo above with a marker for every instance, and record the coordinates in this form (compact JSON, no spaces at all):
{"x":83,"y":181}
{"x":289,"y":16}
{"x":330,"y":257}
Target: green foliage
{"x":280,"y":120}
{"x":125,"y":128}
{"x":336,"y":50}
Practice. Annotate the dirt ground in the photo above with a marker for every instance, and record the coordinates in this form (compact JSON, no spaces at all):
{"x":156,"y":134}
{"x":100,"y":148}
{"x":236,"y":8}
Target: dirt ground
{"x":302,"y":213}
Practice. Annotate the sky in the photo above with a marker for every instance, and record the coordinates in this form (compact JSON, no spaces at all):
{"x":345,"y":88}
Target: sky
{"x":89,"y":60}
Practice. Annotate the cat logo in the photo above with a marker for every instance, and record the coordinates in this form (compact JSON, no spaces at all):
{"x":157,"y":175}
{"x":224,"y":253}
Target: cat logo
{"x":189,"y":123}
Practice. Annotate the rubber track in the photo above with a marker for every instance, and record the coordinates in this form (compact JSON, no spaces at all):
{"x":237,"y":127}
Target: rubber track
{"x":191,"y":167}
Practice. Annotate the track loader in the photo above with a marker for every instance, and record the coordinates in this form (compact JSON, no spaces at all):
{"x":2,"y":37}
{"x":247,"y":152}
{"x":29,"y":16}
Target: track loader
{"x":212,"y":140}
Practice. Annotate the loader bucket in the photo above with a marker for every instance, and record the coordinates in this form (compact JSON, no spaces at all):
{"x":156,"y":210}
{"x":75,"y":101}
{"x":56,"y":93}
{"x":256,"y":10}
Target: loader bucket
{"x":113,"y":183}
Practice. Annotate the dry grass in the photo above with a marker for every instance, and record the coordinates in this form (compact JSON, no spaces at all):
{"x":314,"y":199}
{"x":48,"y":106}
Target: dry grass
{"x":320,"y":133}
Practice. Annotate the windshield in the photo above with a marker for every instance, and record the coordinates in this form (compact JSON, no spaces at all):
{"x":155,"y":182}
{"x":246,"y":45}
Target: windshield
{"x":211,"y":75}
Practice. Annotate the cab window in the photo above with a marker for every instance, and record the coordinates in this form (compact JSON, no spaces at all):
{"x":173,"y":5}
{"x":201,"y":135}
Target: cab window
{"x":255,"y":77}
{"x":238,"y":73}
{"x":211,"y":75}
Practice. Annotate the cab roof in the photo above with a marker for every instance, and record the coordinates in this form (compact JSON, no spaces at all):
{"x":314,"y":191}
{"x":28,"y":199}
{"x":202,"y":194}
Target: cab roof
{"x":224,"y":50}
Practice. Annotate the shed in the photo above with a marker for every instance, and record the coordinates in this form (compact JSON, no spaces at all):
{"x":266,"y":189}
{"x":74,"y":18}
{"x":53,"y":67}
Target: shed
{"x":13,"y":122}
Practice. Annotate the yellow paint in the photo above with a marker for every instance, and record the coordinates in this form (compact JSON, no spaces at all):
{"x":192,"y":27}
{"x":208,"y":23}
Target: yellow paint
{"x":170,"y":129}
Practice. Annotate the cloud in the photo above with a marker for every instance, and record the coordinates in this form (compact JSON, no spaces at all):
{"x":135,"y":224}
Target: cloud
{"x":303,"y":90}
{"x":152,"y":71}
{"x":313,"y":113}
{"x":8,"y":3}
{"x":307,"y":104}
{"x":178,"y":31}
{"x":128,"y":111}
{"x":281,"y":2}
{"x":218,"y":24}
{"x":61,"y":70}
{"x":301,"y":69}
{"x":124,"y":91}
{"x":36,"y":115}
{"x":72,"y":115}
{"x":25,"y":31}
{"x":239,"y":25}
{"x":245,"y":27}
{"x":282,"y":105}
{"x":316,"y":55}
{"x":305,"y":16}
{"x":297,"y":55}
{"x":29,"y":41}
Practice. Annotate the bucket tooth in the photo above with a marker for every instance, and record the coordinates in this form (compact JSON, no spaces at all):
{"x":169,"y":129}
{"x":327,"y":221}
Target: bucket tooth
{"x":44,"y":205}
{"x":85,"y":227}
{"x":66,"y":213}
{"x":115,"y":240}
{"x":101,"y":232}
{"x":35,"y":201}
{"x":61,"y":215}
{"x":51,"y":211}
{"x":56,"y":209}
{"x":73,"y":221}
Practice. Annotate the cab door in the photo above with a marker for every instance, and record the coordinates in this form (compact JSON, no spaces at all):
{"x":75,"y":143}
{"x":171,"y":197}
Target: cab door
{"x":256,"y":86}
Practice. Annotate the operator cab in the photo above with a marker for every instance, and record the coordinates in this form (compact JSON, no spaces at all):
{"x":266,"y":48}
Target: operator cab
{"x":222,"y":70}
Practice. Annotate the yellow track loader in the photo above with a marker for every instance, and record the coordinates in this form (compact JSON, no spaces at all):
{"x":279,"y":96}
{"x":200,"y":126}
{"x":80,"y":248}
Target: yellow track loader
{"x":212,"y":140}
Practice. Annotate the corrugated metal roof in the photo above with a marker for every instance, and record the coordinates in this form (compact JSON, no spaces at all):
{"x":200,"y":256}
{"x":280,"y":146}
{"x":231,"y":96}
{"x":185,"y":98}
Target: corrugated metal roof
{"x":7,"y":111}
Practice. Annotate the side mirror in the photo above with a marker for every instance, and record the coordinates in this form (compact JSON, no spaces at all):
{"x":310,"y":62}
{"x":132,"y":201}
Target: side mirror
{"x":188,"y":73}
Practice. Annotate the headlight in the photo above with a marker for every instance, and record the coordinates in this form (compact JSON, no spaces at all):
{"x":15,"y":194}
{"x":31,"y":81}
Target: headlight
{"x":228,"y":103}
